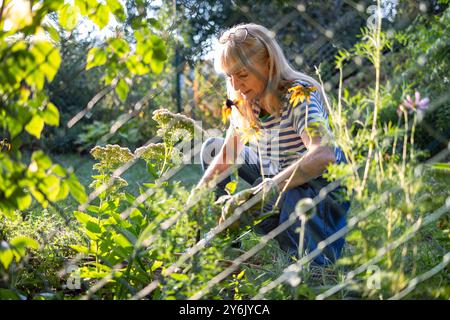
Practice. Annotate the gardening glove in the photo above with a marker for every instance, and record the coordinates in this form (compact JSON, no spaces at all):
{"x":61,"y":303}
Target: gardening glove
{"x":263,"y":193}
{"x":195,"y":195}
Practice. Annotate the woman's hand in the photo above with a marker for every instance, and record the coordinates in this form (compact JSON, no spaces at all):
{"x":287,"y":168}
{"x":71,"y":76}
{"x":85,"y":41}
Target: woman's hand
{"x":258,"y":197}
{"x":195,"y":195}
{"x":232,"y":202}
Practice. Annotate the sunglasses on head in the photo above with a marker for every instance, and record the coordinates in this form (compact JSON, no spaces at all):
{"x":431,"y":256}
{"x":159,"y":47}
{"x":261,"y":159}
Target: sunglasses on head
{"x":239,"y":35}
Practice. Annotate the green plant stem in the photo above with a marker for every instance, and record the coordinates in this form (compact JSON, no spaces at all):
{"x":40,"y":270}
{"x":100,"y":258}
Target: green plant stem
{"x":380,"y":159}
{"x":389,"y":234}
{"x":339,"y":102}
{"x":413,"y":130}
{"x":96,"y":241}
{"x":262,"y":175}
{"x":376,"y":61}
{"x":347,"y":151}
{"x":414,"y":268}
{"x":127,"y":274}
{"x":166,"y":155}
{"x":405,"y":145}
{"x":394,"y":147}
{"x":302,"y":234}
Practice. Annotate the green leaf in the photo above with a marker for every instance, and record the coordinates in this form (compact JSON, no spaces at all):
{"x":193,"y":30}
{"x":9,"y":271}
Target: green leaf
{"x":123,"y":253}
{"x":68,"y":17}
{"x":136,"y":214}
{"x":63,"y":191}
{"x":53,"y":33}
{"x":100,"y":16}
{"x":83,"y":218}
{"x":179,"y":276}
{"x":50,"y":187}
{"x":135,"y":66}
{"x":156,"y":265}
{"x":129,"y":236}
{"x":76,"y":189}
{"x":122,"y":90}
{"x":35,"y":126}
{"x":83,"y":6}
{"x":93,"y":227}
{"x":36,"y":78}
{"x":149,"y":185}
{"x":122,"y":241}
{"x":58,"y":170}
{"x":441,"y":166}
{"x":120,"y":46}
{"x":6,"y":255}
{"x":159,"y":53}
{"x":96,"y":57}
{"x":145,"y":234}
{"x":24,"y":201}
{"x":354,"y":236}
{"x":24,"y":242}
{"x":151,"y":168}
{"x":157,"y":66}
{"x":231,"y":187}
{"x":117,"y":9}
{"x":14,"y":126}
{"x":47,"y":58}
{"x":130,"y":198}
{"x":20,"y":244}
{"x":51,"y":115}
{"x":39,"y":197}
{"x":41,"y":159}
{"x":10,"y":191}
{"x":80,"y":248}
{"x":155,"y":23}
{"x":159,"y":48}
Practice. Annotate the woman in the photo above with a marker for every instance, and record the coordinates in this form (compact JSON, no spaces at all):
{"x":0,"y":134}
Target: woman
{"x":290,"y":147}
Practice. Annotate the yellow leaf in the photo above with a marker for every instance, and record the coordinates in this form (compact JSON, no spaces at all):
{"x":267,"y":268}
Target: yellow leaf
{"x":300,"y":93}
{"x":249,"y":133}
{"x":35,"y":126}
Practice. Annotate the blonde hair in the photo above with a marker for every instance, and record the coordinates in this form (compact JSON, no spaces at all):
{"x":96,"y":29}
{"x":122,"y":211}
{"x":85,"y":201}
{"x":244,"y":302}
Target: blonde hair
{"x":261,"y":46}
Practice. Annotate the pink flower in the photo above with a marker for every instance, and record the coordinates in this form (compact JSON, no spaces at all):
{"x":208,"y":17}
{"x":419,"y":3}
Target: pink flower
{"x":421,"y":105}
{"x":418,"y":105}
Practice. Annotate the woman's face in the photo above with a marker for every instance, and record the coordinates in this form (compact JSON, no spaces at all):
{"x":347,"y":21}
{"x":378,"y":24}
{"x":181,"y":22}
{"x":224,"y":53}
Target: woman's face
{"x":250,"y":81}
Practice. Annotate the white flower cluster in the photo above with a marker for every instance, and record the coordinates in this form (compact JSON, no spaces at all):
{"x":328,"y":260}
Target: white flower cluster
{"x":155,"y":152}
{"x":150,"y":152}
{"x":173,"y":126}
{"x":111,"y":156}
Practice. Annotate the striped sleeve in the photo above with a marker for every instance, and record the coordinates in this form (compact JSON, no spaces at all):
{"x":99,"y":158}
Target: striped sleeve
{"x":305,"y":114}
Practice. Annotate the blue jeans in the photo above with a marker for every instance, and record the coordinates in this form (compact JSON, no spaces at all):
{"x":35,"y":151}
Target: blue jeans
{"x":330,"y":216}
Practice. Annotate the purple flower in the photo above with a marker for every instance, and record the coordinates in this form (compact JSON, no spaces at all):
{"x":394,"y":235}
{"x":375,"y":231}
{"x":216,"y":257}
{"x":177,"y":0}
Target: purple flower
{"x":419,"y":105}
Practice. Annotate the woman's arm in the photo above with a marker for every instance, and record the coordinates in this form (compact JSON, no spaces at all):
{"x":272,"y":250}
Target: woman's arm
{"x":227,"y":155}
{"x":318,"y":156}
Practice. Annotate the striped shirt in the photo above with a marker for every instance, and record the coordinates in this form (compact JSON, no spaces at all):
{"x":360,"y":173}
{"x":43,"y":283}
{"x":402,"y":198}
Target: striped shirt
{"x":280,"y":143}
